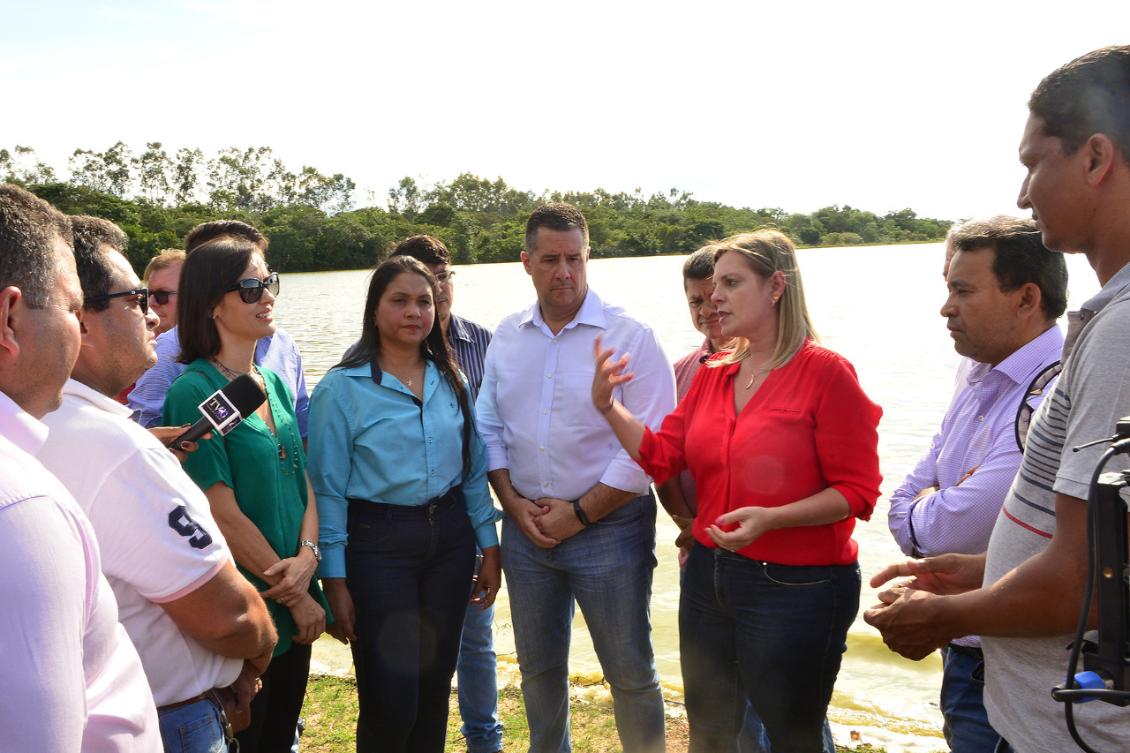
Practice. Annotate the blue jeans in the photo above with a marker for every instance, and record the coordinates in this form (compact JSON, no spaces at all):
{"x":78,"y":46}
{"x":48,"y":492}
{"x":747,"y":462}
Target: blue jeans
{"x":606,"y":569}
{"x":409,"y":572}
{"x":770,"y":634}
{"x":478,"y":682}
{"x":966,"y":727}
{"x":193,"y":728}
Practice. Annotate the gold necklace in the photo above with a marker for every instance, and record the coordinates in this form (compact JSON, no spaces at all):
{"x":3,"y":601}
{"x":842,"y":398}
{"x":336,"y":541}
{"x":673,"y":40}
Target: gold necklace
{"x":756,"y":374}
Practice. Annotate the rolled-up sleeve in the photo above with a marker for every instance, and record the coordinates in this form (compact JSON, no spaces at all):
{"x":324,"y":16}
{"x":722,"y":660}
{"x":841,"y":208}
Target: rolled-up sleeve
{"x":847,"y":439}
{"x":486,"y":413}
{"x":328,"y":464}
{"x":480,"y":506}
{"x":650,"y":397}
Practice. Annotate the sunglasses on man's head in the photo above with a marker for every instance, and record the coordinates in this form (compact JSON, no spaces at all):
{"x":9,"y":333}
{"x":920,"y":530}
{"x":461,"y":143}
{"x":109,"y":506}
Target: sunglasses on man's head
{"x":251,"y":289}
{"x":161,"y":297}
{"x":140,"y":294}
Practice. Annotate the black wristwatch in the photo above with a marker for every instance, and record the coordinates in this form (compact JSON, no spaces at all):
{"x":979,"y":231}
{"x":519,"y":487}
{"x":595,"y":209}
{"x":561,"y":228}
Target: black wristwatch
{"x":581,"y":515}
{"x":313,"y":547}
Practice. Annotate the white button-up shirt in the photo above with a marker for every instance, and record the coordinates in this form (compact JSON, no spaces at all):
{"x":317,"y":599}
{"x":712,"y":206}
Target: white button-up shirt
{"x":535,"y":409}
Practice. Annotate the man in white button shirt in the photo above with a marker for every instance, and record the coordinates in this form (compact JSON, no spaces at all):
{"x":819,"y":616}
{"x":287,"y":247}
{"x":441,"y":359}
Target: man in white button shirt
{"x":580,"y":525}
{"x":193,"y":618}
{"x":71,"y":679}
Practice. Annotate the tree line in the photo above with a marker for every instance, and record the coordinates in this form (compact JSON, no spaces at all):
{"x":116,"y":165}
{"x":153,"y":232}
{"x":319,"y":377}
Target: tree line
{"x":310,"y":217}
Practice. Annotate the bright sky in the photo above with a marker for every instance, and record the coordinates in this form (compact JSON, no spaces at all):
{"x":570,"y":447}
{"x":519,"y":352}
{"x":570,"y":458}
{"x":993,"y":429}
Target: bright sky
{"x":880,"y":105}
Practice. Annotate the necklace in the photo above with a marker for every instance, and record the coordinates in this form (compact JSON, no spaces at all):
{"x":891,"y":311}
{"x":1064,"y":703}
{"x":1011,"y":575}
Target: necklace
{"x":756,"y":374}
{"x":232,"y":373}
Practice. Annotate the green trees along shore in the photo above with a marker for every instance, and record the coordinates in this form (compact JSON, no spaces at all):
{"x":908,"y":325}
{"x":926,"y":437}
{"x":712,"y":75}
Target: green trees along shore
{"x":314,"y":224}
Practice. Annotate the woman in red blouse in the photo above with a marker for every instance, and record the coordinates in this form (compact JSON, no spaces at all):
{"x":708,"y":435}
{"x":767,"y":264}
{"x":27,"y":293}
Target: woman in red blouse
{"x":781,"y":441}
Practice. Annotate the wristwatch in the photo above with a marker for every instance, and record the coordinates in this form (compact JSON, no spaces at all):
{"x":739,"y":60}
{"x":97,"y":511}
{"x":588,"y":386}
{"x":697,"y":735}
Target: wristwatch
{"x":313,"y":547}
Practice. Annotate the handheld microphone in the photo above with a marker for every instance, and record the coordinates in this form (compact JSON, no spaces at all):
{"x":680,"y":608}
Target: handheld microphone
{"x":224,"y":409}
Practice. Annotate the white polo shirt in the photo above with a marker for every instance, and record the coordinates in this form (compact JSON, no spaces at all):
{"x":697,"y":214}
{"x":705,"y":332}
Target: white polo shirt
{"x":155,"y":528}
{"x":70,"y":678}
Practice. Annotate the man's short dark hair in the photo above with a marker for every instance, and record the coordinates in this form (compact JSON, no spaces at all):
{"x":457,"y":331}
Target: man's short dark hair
{"x":1021,"y":258}
{"x":555,"y":216}
{"x":1089,"y":95}
{"x":28,"y":229}
{"x":426,"y":249}
{"x":699,"y":265}
{"x":92,"y":237}
{"x":209,"y":231}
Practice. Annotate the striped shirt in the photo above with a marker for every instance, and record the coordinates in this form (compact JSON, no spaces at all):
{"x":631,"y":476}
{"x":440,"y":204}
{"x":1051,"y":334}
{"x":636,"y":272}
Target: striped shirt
{"x":469,"y":341}
{"x":1092,"y":393}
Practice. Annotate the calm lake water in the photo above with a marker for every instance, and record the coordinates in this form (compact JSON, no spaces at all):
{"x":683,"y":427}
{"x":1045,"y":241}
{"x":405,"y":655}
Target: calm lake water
{"x":878,"y":306}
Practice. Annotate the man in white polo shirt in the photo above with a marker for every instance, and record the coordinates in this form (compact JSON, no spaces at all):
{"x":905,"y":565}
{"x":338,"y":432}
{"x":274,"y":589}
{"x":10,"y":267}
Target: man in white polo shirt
{"x":193,"y":618}
{"x":71,"y":679}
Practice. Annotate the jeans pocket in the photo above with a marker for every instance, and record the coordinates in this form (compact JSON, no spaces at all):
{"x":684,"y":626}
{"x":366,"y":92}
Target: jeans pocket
{"x":796,"y":576}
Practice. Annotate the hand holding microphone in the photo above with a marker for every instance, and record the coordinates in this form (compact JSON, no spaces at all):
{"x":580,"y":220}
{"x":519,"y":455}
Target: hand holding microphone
{"x":223,"y":410}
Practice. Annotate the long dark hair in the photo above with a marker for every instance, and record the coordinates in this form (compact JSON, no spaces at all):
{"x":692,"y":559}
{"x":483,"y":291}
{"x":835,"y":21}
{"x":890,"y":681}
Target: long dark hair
{"x":208,"y":272}
{"x":433,"y":347}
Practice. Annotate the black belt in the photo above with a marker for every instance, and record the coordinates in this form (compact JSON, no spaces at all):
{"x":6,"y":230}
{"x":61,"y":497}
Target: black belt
{"x":452,"y":496}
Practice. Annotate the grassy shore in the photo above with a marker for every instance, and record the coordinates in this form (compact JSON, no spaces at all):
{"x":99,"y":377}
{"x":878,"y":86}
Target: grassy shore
{"x":331,"y":717}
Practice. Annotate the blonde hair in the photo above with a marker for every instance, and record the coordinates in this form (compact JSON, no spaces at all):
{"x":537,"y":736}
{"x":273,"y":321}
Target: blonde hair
{"x":767,"y":252}
{"x":165,"y":259}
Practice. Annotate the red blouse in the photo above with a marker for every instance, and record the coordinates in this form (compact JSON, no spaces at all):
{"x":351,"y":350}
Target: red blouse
{"x":807,"y":428}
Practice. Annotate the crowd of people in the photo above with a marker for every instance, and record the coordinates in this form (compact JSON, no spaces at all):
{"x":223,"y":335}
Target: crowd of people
{"x":167,"y":599}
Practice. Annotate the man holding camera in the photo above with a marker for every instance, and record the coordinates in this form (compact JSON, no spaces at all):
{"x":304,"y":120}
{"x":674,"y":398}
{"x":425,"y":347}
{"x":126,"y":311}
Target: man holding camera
{"x":1024,"y":596}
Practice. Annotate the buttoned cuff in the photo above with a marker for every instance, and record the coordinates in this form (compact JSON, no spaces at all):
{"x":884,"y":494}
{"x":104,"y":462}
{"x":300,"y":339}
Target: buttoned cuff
{"x":333,"y":561}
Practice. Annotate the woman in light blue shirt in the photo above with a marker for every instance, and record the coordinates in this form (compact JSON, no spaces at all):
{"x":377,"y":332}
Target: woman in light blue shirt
{"x":399,"y":472}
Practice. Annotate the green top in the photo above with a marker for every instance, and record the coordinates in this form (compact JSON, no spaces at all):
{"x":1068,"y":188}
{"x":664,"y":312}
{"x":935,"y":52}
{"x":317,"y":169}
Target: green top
{"x":267,"y":471}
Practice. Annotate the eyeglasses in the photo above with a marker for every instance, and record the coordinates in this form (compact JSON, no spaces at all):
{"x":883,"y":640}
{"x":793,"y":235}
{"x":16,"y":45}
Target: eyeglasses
{"x":161,"y":297}
{"x":141,"y":295}
{"x":445,"y":276}
{"x":251,"y":289}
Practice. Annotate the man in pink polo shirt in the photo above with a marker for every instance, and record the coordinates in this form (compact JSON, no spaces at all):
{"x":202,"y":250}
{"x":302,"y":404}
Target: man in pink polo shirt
{"x":72,"y":680}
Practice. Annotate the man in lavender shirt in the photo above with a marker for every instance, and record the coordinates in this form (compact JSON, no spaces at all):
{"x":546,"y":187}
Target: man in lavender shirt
{"x":279,"y":353}
{"x":1006,"y":291}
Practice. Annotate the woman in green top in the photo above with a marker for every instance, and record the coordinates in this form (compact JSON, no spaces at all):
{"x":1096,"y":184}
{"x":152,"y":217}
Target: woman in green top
{"x":255,"y":476}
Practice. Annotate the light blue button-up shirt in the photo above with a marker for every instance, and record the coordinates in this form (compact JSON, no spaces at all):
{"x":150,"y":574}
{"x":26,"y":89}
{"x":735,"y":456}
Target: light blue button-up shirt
{"x":535,"y":406}
{"x":378,"y":443}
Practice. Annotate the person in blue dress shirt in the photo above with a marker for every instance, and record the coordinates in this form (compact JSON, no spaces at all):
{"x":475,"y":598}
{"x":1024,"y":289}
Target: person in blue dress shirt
{"x":399,"y":471}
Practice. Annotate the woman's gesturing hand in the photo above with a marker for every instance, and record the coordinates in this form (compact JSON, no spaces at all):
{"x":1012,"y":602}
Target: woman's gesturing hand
{"x":752,"y":522}
{"x":608,"y":375}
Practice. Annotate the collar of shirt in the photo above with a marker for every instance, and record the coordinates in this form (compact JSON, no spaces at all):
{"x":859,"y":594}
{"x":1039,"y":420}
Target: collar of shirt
{"x":456,"y":330}
{"x":21,"y":428}
{"x":373,"y":371}
{"x":1077,"y":320}
{"x":591,"y":313}
{"x":81,"y":391}
{"x":1019,"y":368}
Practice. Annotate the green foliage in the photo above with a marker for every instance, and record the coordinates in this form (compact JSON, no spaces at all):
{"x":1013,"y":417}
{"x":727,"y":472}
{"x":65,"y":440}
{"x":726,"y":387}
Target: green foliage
{"x":157,"y":198}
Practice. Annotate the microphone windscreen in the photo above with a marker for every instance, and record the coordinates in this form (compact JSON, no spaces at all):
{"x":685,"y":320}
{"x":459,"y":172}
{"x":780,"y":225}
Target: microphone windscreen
{"x":245,"y":394}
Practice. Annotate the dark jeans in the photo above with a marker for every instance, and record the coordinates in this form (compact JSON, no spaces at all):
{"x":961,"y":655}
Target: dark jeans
{"x":274,"y":712}
{"x":772,"y":634}
{"x":409,"y":572}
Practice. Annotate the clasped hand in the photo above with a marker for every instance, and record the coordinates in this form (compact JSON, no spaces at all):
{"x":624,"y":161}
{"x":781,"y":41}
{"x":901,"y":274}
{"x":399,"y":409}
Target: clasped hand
{"x":294,"y":577}
{"x":908,"y":612}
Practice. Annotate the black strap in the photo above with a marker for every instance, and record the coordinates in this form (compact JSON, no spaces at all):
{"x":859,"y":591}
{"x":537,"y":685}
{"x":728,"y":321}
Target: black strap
{"x":1024,"y":411}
